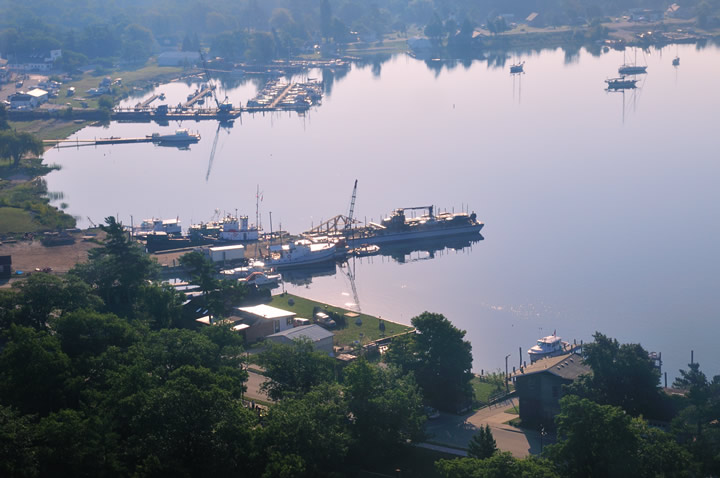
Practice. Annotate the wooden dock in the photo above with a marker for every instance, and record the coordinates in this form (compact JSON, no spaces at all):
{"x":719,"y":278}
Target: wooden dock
{"x":202,"y":94}
{"x":72,"y":143}
{"x":147,"y":102}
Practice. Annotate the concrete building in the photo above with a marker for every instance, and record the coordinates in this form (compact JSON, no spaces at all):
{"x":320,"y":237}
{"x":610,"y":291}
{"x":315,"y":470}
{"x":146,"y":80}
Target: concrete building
{"x":322,"y":339}
{"x":539,"y":387}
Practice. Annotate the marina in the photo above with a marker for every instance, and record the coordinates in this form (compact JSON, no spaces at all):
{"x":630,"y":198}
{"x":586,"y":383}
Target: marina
{"x":571,"y":238}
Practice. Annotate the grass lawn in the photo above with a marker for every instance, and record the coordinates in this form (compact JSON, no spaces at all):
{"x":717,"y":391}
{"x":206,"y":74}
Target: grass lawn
{"x":16,"y":220}
{"x":367,"y":332}
{"x":49,"y":128}
{"x":513,"y":411}
{"x":483,"y":391}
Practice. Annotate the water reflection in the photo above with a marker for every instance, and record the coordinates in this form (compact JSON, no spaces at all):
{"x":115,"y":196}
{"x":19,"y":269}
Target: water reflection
{"x":401,"y":253}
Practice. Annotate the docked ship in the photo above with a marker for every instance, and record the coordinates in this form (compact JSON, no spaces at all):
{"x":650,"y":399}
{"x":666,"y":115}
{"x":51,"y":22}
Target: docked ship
{"x":399,"y":227}
{"x":550,"y":346}
{"x":299,"y":253}
{"x":230,"y":229}
{"x":171,"y":227}
{"x":181,"y":136}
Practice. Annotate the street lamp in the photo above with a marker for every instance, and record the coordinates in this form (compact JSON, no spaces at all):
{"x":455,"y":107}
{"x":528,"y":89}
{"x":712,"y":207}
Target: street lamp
{"x":507,"y":377}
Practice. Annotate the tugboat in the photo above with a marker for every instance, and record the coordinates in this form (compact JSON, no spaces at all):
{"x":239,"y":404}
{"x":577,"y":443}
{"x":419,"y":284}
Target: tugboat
{"x":550,"y":346}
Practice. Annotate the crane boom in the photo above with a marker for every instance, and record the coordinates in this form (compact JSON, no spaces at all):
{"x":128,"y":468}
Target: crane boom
{"x":223,"y":107}
{"x":352,"y":206}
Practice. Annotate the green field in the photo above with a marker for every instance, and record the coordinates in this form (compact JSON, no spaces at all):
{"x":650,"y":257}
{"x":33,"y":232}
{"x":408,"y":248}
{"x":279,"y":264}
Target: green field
{"x":15,"y":220}
{"x":344,"y":335}
{"x":484,"y":390}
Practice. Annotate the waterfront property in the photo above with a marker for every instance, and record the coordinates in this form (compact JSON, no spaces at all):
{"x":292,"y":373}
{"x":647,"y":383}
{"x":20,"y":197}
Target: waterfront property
{"x":322,"y":339}
{"x":539,"y":387}
{"x":262,"y":320}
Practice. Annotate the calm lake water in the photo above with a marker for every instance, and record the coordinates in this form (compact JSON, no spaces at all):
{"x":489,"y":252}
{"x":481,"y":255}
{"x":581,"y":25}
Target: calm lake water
{"x":600,"y":209}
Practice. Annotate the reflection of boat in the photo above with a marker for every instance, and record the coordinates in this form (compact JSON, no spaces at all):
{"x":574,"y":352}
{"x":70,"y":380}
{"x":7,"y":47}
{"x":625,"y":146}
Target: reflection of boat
{"x":517,"y":68}
{"x":427,"y":248}
{"x":676,"y":61}
{"x":549,"y":346}
{"x":181,"y":136}
{"x":300,"y":253}
{"x":301,"y":276}
{"x":364,"y":250}
{"x":398,"y":227}
{"x":620,"y":83}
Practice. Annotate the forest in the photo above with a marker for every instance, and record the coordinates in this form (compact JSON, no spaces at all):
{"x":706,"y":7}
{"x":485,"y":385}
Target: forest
{"x":95,"y":31}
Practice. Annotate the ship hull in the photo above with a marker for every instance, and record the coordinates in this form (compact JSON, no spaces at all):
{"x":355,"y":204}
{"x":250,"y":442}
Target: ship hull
{"x":400,"y":236}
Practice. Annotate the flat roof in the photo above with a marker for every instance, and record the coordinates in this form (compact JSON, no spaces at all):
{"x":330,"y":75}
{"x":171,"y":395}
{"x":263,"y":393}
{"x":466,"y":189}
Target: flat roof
{"x":312,"y":332}
{"x":266,"y":311}
{"x":37,"y":92}
{"x":227,"y":248}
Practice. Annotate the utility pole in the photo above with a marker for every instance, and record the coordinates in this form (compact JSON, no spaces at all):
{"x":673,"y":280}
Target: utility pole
{"x":507,"y":377}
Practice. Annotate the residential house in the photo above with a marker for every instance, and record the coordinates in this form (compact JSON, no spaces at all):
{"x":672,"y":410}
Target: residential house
{"x":262,"y":320}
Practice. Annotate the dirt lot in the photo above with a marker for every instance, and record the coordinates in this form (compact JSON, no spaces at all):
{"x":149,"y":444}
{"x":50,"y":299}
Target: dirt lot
{"x":30,"y":255}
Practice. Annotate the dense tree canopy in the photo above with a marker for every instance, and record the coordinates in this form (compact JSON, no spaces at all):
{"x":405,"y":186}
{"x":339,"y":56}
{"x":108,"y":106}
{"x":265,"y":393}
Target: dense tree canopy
{"x":622,"y":375}
{"x":440,"y":359}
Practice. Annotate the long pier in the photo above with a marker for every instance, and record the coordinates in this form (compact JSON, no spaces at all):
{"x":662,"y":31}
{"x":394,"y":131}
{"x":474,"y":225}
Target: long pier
{"x":147,"y":102}
{"x":280,"y":97}
{"x":71,"y":143}
{"x":202,"y":94}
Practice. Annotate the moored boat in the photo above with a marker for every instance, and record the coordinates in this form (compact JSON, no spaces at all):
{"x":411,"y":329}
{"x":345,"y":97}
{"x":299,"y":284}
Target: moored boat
{"x":549,"y":346}
{"x":299,"y":253}
{"x":398,"y":227}
{"x":260,"y":279}
{"x":182,"y":136}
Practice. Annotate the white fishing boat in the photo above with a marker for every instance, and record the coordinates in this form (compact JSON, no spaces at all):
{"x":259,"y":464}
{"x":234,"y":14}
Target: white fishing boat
{"x":299,"y":253}
{"x":245,"y":271}
{"x":260,"y":279}
{"x":549,"y":346}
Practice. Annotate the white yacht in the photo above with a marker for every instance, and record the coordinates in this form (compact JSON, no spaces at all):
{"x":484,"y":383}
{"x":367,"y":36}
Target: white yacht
{"x":549,"y":346}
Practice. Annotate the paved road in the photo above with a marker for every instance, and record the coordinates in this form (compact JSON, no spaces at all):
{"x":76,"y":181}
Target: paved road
{"x":253,"y":387}
{"x":457,"y":431}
